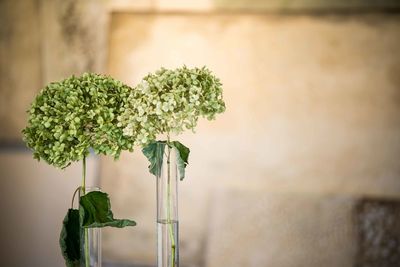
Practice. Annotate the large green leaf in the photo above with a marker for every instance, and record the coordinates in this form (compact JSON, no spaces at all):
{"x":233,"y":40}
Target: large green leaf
{"x":154,"y":153}
{"x":182,"y":157}
{"x":95,"y":211}
{"x":70,"y":238}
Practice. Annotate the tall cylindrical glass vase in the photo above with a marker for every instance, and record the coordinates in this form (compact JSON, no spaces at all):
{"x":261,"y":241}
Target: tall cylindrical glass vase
{"x":167,"y":211}
{"x":90,"y":240}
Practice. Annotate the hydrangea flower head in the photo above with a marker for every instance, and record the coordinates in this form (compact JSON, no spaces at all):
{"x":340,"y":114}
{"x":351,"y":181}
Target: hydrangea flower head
{"x":69,"y":117}
{"x":170,"y":101}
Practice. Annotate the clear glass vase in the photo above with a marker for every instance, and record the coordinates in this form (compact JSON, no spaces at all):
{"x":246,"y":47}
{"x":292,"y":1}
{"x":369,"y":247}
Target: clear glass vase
{"x":167,"y":211}
{"x":90,"y":240}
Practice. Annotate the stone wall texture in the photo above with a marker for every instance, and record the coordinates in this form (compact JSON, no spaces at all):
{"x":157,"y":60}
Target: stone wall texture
{"x":43,"y":41}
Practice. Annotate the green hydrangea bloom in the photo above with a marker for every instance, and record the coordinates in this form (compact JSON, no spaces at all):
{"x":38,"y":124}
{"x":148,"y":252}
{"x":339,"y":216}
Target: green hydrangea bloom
{"x":71,"y":116}
{"x":170,"y":101}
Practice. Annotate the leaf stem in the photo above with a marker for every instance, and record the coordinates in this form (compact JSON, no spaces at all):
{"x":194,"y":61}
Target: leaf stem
{"x":86,"y":233}
{"x":169,"y":221}
{"x":84,"y":175}
{"x":73,"y":197}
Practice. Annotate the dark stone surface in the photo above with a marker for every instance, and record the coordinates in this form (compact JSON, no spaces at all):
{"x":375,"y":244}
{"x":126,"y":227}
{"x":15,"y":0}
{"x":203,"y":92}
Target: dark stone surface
{"x":76,"y":32}
{"x":378,"y":233}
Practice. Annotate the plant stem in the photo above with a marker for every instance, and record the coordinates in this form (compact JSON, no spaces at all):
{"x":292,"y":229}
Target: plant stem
{"x":73,"y":197}
{"x":169,"y":221}
{"x":86,"y":233}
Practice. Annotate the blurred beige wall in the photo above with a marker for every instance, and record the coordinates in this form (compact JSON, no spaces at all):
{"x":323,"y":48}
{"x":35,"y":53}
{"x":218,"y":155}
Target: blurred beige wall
{"x":40,"y":41}
{"x":312,"y":113}
{"x":43,"y":41}
{"x":34,"y":200}
{"x":312,"y":124}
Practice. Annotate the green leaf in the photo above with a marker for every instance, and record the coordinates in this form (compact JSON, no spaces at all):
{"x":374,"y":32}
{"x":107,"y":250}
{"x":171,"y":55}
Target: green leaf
{"x":154,"y":152}
{"x":70,"y":238}
{"x":182,"y":157}
{"x":95,"y":211}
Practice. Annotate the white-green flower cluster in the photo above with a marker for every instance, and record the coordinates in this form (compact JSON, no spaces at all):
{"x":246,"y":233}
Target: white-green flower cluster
{"x":71,"y":116}
{"x":170,"y":101}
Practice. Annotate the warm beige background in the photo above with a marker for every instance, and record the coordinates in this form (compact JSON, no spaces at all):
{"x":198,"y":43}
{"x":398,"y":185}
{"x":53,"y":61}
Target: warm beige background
{"x":34,"y":200}
{"x":312,"y":124}
{"x":313,"y":108}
